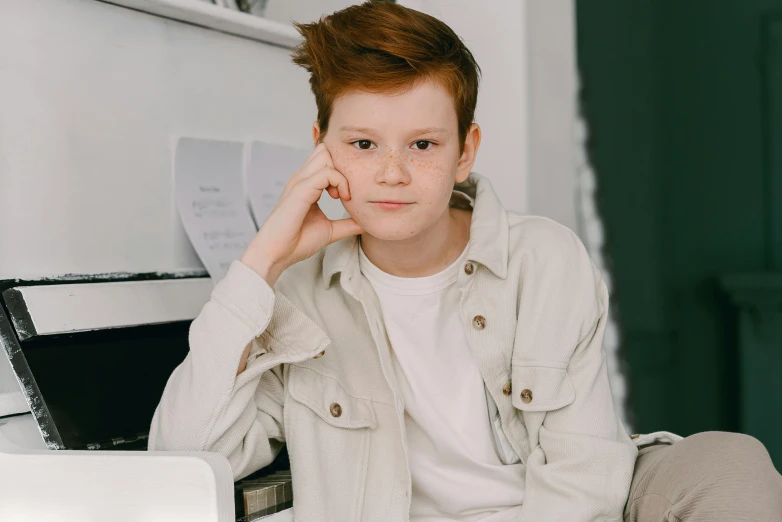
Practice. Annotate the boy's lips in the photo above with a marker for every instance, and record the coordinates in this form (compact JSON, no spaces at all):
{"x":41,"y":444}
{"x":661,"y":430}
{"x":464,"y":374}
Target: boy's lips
{"x":390,"y":205}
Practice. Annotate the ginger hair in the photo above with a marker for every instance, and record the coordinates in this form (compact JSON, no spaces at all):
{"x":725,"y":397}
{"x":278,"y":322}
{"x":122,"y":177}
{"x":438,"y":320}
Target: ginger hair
{"x":385,"y":48}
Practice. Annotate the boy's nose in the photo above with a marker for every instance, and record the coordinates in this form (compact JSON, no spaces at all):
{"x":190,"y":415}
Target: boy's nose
{"x":393,"y":168}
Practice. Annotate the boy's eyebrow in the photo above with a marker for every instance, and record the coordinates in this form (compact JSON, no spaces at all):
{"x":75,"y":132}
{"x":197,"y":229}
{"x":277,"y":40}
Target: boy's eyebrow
{"x":425,"y":130}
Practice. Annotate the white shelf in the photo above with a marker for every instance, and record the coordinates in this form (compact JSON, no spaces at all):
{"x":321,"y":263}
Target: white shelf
{"x":218,"y":18}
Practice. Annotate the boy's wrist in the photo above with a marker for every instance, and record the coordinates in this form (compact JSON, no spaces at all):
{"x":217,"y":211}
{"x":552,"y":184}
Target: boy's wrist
{"x":265,"y":268}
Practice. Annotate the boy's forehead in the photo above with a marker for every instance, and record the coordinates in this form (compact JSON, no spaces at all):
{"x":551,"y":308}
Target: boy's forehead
{"x":427,"y":105}
{"x":425,"y":91}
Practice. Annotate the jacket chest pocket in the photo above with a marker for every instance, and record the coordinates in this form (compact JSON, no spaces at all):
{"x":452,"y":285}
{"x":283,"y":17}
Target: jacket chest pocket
{"x":537,"y":390}
{"x":327,"y":431}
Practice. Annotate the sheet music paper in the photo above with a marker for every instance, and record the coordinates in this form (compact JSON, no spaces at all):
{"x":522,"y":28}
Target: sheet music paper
{"x":210,"y":198}
{"x":269,"y":167}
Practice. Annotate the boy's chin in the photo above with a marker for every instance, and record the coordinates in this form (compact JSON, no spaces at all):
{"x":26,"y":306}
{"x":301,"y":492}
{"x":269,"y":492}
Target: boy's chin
{"x":388,"y":234}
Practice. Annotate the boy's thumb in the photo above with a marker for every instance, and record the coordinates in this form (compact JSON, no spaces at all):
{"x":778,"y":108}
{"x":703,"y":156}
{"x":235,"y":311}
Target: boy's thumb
{"x":343,"y":228}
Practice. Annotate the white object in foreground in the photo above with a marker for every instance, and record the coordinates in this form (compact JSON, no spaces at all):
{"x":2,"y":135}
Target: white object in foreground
{"x":282,"y":516}
{"x":122,"y":486}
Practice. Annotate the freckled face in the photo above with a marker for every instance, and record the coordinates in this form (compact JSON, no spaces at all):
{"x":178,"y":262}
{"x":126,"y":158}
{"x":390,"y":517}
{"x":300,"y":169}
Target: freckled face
{"x":402,"y":148}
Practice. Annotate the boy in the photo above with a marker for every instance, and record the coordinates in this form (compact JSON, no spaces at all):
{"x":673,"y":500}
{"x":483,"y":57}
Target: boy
{"x":430,"y":357}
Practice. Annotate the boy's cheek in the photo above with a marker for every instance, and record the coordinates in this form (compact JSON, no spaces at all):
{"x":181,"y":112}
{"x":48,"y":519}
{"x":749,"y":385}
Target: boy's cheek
{"x":339,"y":157}
{"x":354,"y":205}
{"x":356,"y":210}
{"x":351,"y":169}
{"x":346,"y":157}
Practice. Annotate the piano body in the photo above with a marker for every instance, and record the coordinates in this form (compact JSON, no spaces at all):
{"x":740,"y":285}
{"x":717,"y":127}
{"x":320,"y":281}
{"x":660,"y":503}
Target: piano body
{"x":82,"y":368}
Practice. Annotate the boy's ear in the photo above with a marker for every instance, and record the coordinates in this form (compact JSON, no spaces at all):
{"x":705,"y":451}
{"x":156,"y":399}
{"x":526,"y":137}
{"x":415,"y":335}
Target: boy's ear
{"x":315,"y":132}
{"x":471,"y":144}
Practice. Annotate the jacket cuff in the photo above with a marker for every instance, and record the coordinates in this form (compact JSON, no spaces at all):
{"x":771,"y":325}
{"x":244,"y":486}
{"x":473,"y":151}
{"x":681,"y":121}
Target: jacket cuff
{"x":247,"y":295}
{"x":280,"y":327}
{"x":291,"y":331}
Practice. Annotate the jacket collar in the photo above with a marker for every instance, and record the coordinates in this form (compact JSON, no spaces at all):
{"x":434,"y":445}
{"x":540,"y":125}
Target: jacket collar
{"x":488,"y":243}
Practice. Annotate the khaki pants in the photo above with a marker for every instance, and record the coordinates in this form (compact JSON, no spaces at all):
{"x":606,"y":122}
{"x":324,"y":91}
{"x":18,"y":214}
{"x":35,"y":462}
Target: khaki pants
{"x":709,"y":477}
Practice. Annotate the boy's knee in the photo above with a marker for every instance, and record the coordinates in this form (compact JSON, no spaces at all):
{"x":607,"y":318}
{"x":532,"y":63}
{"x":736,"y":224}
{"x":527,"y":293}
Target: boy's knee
{"x":715,"y":476}
{"x":727,"y":439}
{"x":747,"y":466}
{"x":725,"y":458}
{"x":734,"y":467}
{"x":737,"y":450}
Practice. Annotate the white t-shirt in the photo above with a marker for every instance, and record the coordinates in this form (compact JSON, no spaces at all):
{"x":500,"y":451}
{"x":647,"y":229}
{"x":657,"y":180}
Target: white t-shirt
{"x":456,"y":471}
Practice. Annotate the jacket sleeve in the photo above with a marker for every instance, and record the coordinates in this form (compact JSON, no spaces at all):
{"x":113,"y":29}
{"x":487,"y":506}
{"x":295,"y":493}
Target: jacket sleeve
{"x":582,"y":460}
{"x":205,"y":406}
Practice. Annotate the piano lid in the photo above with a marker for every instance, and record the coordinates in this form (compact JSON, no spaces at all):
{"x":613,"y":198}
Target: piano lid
{"x":93,"y":358}
{"x":69,"y":308}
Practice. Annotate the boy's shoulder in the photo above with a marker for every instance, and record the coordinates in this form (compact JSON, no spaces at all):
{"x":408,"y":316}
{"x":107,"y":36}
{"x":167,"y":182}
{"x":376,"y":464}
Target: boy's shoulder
{"x":539,"y":236}
{"x":554,"y":270}
{"x":543,"y":250}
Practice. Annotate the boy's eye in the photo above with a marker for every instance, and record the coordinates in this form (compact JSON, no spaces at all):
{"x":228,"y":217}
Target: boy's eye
{"x":366,"y":144}
{"x":362,"y":144}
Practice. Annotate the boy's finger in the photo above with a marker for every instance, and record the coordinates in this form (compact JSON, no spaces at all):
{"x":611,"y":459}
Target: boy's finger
{"x":313,"y":186}
{"x":315,"y":163}
{"x":342,"y":228}
{"x":328,"y":176}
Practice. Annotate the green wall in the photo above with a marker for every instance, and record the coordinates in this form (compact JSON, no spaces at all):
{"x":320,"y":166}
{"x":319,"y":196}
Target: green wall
{"x":674,"y":96}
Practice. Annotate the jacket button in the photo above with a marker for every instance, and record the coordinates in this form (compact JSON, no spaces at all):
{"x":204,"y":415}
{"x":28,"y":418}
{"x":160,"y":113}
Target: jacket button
{"x":526,"y":396}
{"x":321,"y":354}
{"x":336,"y":410}
{"x":507,"y":388}
{"x":479,"y":322}
{"x":469,"y":268}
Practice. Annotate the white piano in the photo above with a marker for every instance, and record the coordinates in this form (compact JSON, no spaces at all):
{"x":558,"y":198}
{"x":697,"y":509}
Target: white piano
{"x":82,"y":367}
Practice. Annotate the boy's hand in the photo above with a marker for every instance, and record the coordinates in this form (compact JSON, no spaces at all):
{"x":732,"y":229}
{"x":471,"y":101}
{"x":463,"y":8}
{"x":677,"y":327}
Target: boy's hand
{"x":297,"y":228}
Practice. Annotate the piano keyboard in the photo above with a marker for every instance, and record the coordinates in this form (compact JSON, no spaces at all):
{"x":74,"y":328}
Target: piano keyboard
{"x":260,"y":497}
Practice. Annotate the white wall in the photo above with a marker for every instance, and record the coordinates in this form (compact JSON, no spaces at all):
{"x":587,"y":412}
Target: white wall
{"x":302,"y":10}
{"x":551,"y":71}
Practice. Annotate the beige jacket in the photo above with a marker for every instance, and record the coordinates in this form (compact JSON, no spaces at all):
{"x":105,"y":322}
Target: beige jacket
{"x":534,"y":308}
